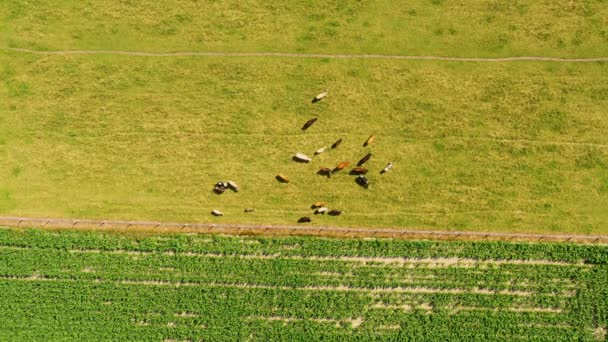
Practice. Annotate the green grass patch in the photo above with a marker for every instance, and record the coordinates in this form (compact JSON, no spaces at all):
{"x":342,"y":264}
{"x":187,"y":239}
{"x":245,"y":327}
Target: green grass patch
{"x":505,"y":147}
{"x":93,"y":286}
{"x":419,"y":27}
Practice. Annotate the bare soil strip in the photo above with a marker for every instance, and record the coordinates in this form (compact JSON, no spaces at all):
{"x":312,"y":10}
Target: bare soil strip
{"x":512,"y":309}
{"x":354,"y":322}
{"x":306,"y":55}
{"x":252,"y":229}
{"x":336,"y":288}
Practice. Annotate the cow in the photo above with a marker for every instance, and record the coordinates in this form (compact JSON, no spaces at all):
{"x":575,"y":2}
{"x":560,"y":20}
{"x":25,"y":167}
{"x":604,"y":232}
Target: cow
{"x":335,"y":212}
{"x":361,"y":180}
{"x":220,"y":187}
{"x":249,"y":210}
{"x":369,"y":140}
{"x":325,"y":171}
{"x":321,"y":96}
{"x":300,"y":157}
{"x":319,"y":151}
{"x":358,"y":171}
{"x":321,"y":210}
{"x":309,"y":123}
{"x":340,"y":166}
{"x":216,"y":212}
{"x":232,"y":185}
{"x":317,"y":205}
{"x":364,"y":159}
{"x":304,"y":219}
{"x":387,"y":168}
{"x":282,"y":178}
{"x":337,"y":143}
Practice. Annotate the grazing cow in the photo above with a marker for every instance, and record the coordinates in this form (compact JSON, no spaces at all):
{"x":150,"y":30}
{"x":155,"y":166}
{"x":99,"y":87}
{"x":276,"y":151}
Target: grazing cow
{"x":337,"y":143}
{"x":216,"y":212}
{"x":361,"y":180}
{"x":341,"y":166}
{"x":321,"y":210}
{"x":321,"y":96}
{"x":317,"y":205}
{"x":325,"y":171}
{"x":387,"y":168}
{"x":309,"y":123}
{"x":220,"y":187}
{"x":282,"y":178}
{"x":300,"y":157}
{"x":358,"y":171}
{"x":369,"y":140}
{"x":249,"y":210}
{"x":319,"y":151}
{"x":364,"y":159}
{"x":304,"y":219}
{"x":334,"y":212}
{"x":232,"y":185}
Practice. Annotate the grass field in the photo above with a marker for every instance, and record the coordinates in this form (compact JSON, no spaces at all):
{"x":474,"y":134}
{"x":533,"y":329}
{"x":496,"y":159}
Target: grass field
{"x":92,"y":286}
{"x":514,"y":147}
{"x":517,"y":146}
{"x":418,"y":27}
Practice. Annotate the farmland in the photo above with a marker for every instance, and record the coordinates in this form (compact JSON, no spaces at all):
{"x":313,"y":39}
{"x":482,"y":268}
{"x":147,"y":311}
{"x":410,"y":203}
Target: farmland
{"x":515,"y":147}
{"x":483,"y":28}
{"x":84,"y":285}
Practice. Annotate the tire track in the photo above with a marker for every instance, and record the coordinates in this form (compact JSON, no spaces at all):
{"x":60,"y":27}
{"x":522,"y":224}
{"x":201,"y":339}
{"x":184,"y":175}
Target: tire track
{"x":307,"y":55}
{"x":263,"y":229}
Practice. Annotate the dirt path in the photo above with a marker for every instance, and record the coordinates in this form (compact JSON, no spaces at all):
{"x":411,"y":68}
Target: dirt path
{"x":251,"y":229}
{"x":307,"y":55}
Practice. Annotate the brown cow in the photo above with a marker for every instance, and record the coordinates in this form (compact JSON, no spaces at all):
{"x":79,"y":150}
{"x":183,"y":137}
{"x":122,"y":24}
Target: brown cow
{"x":282,"y":178}
{"x":341,"y":166}
{"x":364,"y":159}
{"x":358,"y":171}
{"x":325,"y":171}
{"x":309,"y":123}
{"x":334,"y":212}
{"x":317,"y":205}
{"x":369,"y":140}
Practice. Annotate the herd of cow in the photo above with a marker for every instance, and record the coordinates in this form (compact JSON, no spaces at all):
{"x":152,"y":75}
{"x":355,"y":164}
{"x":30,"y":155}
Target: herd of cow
{"x":319,"y":207}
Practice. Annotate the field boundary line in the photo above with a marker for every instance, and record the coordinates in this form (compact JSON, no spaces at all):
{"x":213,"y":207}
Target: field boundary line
{"x":261,"y":229}
{"x":306,"y":55}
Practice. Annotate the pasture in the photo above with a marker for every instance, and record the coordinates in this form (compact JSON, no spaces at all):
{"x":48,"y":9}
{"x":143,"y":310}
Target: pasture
{"x":476,"y":146}
{"x":483,"y":28}
{"x":94,"y":286}
{"x":517,"y":146}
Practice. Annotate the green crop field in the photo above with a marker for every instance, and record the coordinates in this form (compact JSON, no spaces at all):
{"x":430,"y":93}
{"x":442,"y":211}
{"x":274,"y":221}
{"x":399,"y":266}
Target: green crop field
{"x":92,"y":286}
{"x":517,"y":146}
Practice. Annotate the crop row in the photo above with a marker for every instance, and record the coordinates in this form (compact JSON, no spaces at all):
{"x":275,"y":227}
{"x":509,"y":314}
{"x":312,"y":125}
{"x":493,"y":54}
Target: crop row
{"x":571,"y":253}
{"x":65,"y":286}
